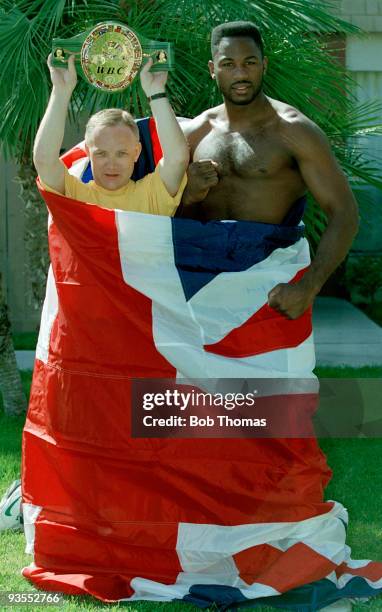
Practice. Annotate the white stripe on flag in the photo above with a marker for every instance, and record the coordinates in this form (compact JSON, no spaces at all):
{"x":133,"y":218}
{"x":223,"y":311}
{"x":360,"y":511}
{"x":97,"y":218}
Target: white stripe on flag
{"x":30,"y":515}
{"x":179,"y":328}
{"x":199,"y":545}
{"x":232,"y":298}
{"x":48,"y":315}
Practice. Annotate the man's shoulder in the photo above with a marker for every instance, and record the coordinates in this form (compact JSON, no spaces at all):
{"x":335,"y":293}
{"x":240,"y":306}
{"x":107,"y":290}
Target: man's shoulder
{"x":295,"y":127}
{"x":202,"y":121}
{"x":292,"y":118}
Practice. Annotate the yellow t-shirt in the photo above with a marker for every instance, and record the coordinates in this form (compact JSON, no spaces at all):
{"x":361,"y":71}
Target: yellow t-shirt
{"x":148,"y":195}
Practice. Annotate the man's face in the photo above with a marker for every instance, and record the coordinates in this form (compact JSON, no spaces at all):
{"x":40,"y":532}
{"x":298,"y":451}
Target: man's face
{"x":238,"y":68}
{"x":113,"y":152}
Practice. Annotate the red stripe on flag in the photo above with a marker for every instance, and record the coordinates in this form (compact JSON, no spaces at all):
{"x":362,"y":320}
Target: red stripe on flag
{"x":49,"y":581}
{"x":157,"y":150}
{"x":267,"y":330}
{"x":282,"y":570}
{"x":78,"y":433}
{"x":72,"y":156}
{"x":103,"y":566}
{"x":372,"y":571}
{"x":94,"y":296}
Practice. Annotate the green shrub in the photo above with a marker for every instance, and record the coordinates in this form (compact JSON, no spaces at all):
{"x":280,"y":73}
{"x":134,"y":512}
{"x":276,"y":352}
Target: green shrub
{"x":363,"y":277}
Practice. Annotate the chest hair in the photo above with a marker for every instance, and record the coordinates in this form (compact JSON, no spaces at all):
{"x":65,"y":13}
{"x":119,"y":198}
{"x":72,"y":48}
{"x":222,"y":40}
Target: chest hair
{"x":242,"y":154}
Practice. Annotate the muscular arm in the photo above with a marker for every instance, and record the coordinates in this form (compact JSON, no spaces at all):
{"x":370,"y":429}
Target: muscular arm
{"x":173,"y":143}
{"x":329,"y":186}
{"x":50,"y":134}
{"x":174,"y":146}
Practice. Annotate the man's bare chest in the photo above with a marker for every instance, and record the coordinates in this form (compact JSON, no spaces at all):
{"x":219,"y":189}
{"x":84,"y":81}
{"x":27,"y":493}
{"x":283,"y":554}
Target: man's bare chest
{"x":243,"y":154}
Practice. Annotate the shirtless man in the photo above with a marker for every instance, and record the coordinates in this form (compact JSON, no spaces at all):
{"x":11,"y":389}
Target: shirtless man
{"x":266,"y":155}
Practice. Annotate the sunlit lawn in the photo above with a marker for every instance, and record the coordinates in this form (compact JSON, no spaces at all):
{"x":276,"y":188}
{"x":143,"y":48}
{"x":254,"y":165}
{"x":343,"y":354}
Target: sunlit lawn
{"x":357,"y":484}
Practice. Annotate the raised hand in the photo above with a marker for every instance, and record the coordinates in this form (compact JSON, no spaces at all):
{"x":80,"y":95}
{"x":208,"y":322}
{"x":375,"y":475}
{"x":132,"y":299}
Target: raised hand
{"x":63,"y":80}
{"x":152,"y":82}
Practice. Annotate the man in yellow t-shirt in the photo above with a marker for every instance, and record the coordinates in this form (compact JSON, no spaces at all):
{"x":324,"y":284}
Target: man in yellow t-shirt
{"x":112,"y":144}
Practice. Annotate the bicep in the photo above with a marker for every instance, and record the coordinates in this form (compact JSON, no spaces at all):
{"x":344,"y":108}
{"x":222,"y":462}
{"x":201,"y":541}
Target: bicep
{"x":52,"y":175}
{"x":171,"y":175}
{"x":322,"y":173}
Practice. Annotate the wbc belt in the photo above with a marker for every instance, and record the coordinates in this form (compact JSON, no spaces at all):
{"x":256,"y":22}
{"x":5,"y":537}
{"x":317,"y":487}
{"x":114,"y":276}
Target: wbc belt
{"x":110,"y":55}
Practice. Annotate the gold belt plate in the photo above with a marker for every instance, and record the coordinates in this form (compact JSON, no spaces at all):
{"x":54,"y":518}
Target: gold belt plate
{"x":111,"y":56}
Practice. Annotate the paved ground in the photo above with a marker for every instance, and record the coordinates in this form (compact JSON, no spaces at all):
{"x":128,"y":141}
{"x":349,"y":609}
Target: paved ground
{"x":343,"y":336}
{"x":25,"y":360}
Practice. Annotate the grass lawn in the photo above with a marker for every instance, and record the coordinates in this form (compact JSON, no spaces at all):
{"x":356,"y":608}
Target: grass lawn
{"x":25,"y":341}
{"x":357,"y":484}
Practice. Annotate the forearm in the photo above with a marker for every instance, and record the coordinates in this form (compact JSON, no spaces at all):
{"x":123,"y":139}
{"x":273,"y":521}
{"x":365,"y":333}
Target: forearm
{"x":189,"y":197}
{"x":173,"y":143}
{"x":50,"y":133}
{"x":334,"y":245}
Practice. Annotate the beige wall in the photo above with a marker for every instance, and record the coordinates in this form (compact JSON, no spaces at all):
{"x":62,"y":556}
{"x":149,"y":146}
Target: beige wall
{"x":13,"y":264}
{"x":366,"y":14}
{"x":363,"y":60}
{"x":13,"y":259}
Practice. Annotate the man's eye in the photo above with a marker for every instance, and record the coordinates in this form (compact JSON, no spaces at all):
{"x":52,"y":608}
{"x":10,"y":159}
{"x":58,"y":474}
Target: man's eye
{"x":123,"y":154}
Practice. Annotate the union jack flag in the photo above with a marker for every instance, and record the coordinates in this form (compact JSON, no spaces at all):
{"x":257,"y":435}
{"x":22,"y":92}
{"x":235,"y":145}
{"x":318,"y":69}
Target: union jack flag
{"x":198,"y":520}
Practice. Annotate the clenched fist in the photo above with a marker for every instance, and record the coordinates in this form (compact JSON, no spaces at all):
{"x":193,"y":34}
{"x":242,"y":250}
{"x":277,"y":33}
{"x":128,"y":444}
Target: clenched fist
{"x":202,"y":175}
{"x":63,"y":80}
{"x":152,"y":82}
{"x":290,"y":300}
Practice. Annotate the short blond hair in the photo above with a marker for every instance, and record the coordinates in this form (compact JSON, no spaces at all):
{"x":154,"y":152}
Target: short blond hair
{"x":108,"y":118}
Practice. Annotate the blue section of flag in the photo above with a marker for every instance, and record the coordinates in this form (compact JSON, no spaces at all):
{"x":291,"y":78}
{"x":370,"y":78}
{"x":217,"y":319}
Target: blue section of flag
{"x":222,"y":597}
{"x":204,"y":250}
{"x":87,"y":174}
{"x":307,"y":598}
{"x":145,"y":162}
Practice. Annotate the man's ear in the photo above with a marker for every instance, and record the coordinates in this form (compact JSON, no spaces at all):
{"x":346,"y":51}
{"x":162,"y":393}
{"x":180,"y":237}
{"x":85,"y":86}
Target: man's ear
{"x":87,"y":150}
{"x":265,"y":65}
{"x":138,"y":150}
{"x":211,"y":68}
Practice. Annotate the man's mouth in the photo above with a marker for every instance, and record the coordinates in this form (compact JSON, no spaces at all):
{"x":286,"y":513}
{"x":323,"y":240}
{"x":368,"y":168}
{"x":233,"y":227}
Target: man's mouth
{"x":241,"y":87}
{"x":109,"y":175}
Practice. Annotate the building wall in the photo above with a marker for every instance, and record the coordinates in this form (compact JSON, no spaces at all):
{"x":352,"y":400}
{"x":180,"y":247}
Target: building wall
{"x":13,"y":262}
{"x":13,"y":257}
{"x":366,"y":14}
{"x":363,"y":59}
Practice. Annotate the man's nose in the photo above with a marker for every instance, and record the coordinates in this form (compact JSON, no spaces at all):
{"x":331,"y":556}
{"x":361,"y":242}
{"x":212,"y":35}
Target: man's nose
{"x":240,"y":72}
{"x":111,"y":162}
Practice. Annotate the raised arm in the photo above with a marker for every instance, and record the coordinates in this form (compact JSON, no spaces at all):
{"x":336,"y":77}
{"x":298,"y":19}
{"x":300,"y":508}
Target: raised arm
{"x":50,"y":134}
{"x":174,"y":145}
{"x":330,"y":188}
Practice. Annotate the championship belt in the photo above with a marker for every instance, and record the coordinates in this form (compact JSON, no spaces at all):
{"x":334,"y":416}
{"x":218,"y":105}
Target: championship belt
{"x":110,"y":55}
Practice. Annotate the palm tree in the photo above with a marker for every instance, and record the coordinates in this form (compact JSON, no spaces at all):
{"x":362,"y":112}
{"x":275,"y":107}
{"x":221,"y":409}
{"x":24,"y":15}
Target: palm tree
{"x":302,"y":72}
